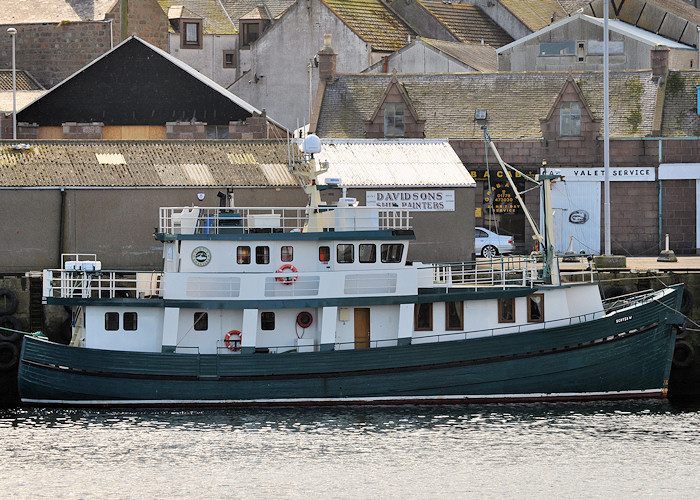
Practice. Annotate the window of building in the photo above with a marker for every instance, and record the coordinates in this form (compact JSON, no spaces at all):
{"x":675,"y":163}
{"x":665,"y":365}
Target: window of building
{"x":131,"y":321}
{"x":535,"y":308}
{"x":191,"y":34}
{"x":454,"y":315}
{"x":262,"y":255}
{"x":201,"y":321}
{"x":249,"y":33}
{"x":557,"y":48}
{"x":287,"y":254}
{"x":324,"y":254}
{"x":217,"y":131}
{"x":580,"y":51}
{"x":392,"y":252}
{"x":267,"y":321}
{"x":346,"y":253}
{"x":243,"y":255}
{"x":112,"y":321}
{"x":570,"y":118}
{"x":394,"y":125}
{"x":229,"y":58}
{"x":506,"y":310}
{"x":368,"y":253}
{"x":423,"y":317}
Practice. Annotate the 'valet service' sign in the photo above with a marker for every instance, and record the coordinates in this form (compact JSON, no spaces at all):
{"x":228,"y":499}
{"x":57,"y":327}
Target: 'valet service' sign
{"x":616,"y":174}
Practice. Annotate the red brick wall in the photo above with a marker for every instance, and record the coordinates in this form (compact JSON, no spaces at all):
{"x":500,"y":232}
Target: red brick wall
{"x":53,"y":51}
{"x":678,"y":215}
{"x":186,"y":130}
{"x":72,"y":130}
{"x":146,"y":19}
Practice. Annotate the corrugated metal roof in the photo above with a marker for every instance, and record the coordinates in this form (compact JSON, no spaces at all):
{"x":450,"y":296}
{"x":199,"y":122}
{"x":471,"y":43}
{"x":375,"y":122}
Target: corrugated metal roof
{"x":394,"y":163}
{"x":234,"y":163}
{"x":23,"y":98}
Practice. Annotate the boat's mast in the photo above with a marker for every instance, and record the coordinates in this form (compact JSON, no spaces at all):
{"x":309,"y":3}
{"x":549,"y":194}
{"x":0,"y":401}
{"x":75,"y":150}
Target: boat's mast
{"x":550,"y":263}
{"x":309,"y":173}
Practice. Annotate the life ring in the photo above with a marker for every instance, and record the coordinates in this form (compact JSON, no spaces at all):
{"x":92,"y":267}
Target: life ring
{"x":8,"y":301}
{"x":683,"y":354}
{"x":289,"y":278}
{"x":9,"y":355}
{"x":304,"y":319}
{"x":9,"y":329}
{"x":233,"y":344}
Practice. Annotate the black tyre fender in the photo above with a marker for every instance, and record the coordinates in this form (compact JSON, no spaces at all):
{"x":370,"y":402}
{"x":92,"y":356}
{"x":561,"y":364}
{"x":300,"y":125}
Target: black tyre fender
{"x":8,"y":301}
{"x":13,"y":324}
{"x":9,"y":356}
{"x":686,"y":301}
{"x":683,"y":354}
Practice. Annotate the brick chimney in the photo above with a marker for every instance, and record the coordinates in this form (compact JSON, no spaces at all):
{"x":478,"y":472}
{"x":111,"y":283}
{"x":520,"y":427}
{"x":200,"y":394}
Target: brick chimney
{"x":326,"y":60}
{"x":659,"y":60}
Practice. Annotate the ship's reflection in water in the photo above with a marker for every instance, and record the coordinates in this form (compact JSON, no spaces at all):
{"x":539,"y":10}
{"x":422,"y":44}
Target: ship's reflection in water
{"x":621,"y":449}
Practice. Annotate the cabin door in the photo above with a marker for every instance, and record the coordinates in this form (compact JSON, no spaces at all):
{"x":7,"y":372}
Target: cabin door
{"x":361,"y":328}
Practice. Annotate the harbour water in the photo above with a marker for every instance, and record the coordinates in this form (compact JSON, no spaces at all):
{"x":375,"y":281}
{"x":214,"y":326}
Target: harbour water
{"x":636,"y":449}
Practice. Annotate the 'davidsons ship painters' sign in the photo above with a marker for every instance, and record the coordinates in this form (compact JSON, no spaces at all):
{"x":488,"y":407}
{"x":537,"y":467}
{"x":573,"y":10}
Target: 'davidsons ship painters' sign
{"x":417,"y":201}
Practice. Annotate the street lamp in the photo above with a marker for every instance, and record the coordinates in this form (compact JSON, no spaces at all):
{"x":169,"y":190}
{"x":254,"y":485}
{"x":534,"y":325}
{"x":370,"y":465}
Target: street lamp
{"x":12,"y":33}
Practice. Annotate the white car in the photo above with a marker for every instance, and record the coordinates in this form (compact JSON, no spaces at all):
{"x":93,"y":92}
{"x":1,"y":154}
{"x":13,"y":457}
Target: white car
{"x":489,"y":244}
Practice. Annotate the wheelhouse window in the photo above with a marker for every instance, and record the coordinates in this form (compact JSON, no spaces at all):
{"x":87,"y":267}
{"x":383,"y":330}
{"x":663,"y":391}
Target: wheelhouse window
{"x":267,"y":320}
{"x":423,"y":317}
{"x":392,"y":252}
{"x":324,"y":254}
{"x":262,"y":255}
{"x":243,"y":255}
{"x":345,"y":253}
{"x":111,"y":321}
{"x":191,"y":34}
{"x":131,"y":321}
{"x":506,"y":310}
{"x":201,"y":321}
{"x":287,"y":254}
{"x":394,"y":125}
{"x":368,"y":253}
{"x":454,"y":315}
{"x":535,"y":308}
{"x":570,"y":118}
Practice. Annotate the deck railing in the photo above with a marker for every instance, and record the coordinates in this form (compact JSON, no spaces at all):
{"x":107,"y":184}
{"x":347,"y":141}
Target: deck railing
{"x":231,"y":220}
{"x":61,"y":283}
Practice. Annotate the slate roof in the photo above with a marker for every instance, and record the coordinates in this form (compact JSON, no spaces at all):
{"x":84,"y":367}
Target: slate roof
{"x":216,"y":20}
{"x":680,"y":116}
{"x":23,"y":80}
{"x":672,"y":19}
{"x":480,"y":57}
{"x":225,"y":163}
{"x":468,"y":23}
{"x":447,"y":102}
{"x":372,"y":21}
{"x":53,"y":11}
{"x":536,"y":14}
{"x":238,"y":8}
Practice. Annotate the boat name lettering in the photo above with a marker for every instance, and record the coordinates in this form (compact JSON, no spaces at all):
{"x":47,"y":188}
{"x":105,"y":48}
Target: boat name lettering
{"x":623,"y":319}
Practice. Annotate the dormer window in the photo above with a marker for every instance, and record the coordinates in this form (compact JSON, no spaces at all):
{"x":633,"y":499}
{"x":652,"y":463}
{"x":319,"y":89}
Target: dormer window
{"x":394,"y":123}
{"x":191,"y":34}
{"x":250,"y":32}
{"x":570,"y":119}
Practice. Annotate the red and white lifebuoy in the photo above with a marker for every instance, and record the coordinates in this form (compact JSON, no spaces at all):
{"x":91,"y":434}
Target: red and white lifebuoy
{"x":304,"y":319}
{"x":233,"y":340}
{"x":289,"y":277}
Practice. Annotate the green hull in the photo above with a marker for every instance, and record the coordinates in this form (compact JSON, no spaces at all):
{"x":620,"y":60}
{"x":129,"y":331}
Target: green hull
{"x":625,"y":355}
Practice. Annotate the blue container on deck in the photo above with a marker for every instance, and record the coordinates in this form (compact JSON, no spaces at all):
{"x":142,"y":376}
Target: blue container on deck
{"x":230,"y":223}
